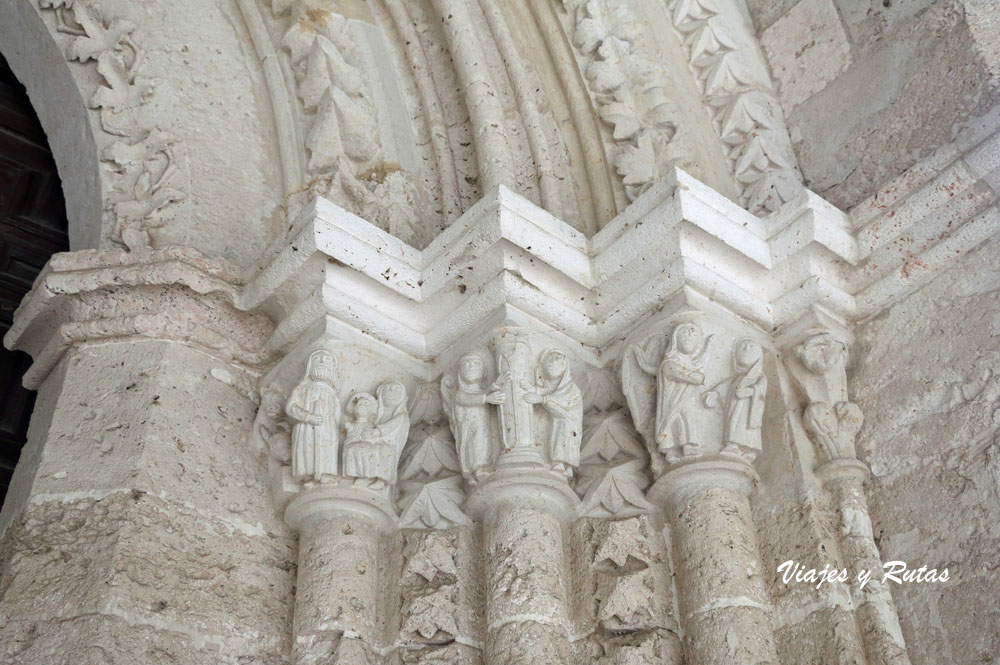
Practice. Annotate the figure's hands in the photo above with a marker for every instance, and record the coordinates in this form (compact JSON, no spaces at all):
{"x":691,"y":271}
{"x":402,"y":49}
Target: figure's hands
{"x":533,"y":398}
{"x":744,"y":392}
{"x":698,"y":377}
{"x":315,"y":420}
{"x":710,"y":399}
{"x":498,"y":397}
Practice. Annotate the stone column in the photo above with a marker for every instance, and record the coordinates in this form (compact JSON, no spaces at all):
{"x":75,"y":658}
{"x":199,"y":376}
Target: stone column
{"x":522,"y":513}
{"x":136,"y":528}
{"x":336,"y":605}
{"x":874,"y":609}
{"x":723,"y":604}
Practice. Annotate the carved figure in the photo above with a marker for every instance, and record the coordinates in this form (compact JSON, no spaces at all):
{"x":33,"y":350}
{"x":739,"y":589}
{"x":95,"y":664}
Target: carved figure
{"x":315,"y":406}
{"x":745,"y":400}
{"x":467,"y":405}
{"x":556,"y":393}
{"x":376,"y":433}
{"x":678,"y":369}
{"x":831,"y":420}
{"x":272,"y":428}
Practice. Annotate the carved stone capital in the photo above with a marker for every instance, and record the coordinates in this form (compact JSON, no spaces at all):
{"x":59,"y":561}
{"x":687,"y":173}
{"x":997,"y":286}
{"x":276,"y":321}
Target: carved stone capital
{"x":816,"y":359}
{"x":91,"y":297}
{"x":696,"y":386}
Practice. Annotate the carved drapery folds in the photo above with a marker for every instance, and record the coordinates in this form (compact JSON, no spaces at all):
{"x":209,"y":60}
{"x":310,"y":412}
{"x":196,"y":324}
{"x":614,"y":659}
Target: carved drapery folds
{"x":689,"y":400}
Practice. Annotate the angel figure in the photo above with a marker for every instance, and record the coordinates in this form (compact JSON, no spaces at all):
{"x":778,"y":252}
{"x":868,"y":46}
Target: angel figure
{"x":315,"y":407}
{"x":556,"y":393}
{"x":272,"y":428}
{"x":745,"y":400}
{"x":667,"y":418}
{"x":375,"y":434}
{"x":467,"y":406}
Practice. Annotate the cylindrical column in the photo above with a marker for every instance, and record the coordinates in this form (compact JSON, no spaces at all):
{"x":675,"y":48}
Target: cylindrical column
{"x":336,"y":602}
{"x":526,"y":598}
{"x":723,"y":604}
{"x":875,"y":611}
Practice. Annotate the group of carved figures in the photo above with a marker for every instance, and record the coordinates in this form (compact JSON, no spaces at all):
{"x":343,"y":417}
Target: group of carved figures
{"x":469,"y":399}
{"x":675,"y":421}
{"x":673,"y":417}
{"x":533,"y":407}
{"x":363,"y":440}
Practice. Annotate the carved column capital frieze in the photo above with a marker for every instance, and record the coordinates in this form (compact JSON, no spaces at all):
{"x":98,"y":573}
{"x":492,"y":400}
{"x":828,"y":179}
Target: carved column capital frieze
{"x":696,"y":387}
{"x":92,"y":296}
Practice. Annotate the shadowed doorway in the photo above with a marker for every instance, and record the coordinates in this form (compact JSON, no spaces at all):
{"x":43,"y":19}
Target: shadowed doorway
{"x":32,"y":228}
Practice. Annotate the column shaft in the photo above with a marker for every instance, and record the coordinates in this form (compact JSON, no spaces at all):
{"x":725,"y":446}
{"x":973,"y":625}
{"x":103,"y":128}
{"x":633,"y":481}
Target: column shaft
{"x":722,"y":601}
{"x":526,"y":596}
{"x":875,"y":611}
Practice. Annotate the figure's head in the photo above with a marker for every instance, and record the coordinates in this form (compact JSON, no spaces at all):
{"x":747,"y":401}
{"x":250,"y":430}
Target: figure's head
{"x":391,"y":395}
{"x":272,"y":403}
{"x":746,"y":354}
{"x":364,"y":406}
{"x":687,"y":337}
{"x":553,"y":364}
{"x":821,"y":353}
{"x":322,"y":366}
{"x":472,"y":367}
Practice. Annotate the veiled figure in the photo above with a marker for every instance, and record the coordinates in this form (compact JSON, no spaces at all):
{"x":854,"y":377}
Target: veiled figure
{"x":467,"y":406}
{"x":563,"y":401}
{"x":745,"y":400}
{"x":376,"y":433}
{"x":314,"y":405}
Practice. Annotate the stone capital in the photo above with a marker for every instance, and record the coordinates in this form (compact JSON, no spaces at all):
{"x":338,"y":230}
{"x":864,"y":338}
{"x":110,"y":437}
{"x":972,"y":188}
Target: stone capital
{"x":91,"y":297}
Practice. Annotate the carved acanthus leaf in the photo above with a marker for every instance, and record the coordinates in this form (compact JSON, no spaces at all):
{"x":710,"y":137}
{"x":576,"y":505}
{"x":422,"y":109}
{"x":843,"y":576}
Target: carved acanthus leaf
{"x":745,"y":110}
{"x":600,"y":390}
{"x":611,"y":437}
{"x":436,"y":505}
{"x":146,"y":166}
{"x":432,"y":452}
{"x":430,"y":618}
{"x":617,"y":492}
{"x":625,"y":545}
{"x":431,"y":560}
{"x":631,"y":604}
{"x":629,"y":91}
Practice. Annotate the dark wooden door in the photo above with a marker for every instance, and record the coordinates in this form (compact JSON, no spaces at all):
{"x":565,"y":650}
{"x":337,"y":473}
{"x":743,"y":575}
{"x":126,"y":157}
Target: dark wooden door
{"x":32,"y":228}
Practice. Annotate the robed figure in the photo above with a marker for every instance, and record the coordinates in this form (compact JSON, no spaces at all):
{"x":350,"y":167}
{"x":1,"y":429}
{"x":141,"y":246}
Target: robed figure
{"x":376,"y":433}
{"x":745,"y":400}
{"x":556,"y":393}
{"x":467,"y":406}
{"x":668,"y":417}
{"x":314,"y":405}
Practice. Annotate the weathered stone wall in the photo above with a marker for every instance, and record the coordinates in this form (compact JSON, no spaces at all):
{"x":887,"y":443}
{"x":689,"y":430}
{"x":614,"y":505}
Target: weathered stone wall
{"x":871,"y":88}
{"x":927,"y":374}
{"x":146,"y":536}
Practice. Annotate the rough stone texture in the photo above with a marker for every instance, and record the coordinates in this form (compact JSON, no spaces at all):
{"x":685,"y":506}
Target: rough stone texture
{"x":141,"y":514}
{"x":144,"y":486}
{"x":924,"y":70}
{"x":807,"y":48}
{"x":926,"y":375}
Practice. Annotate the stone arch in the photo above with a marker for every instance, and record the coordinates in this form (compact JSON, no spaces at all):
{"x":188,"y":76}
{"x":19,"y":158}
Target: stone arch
{"x":39,"y":63}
